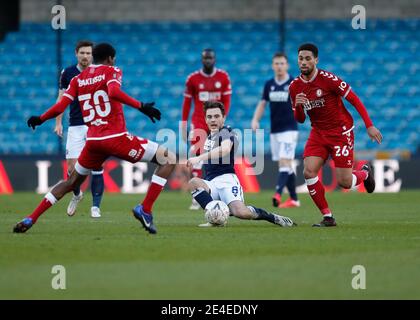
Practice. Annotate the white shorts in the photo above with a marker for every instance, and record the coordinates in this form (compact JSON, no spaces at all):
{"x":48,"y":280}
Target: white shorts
{"x":226,"y":188}
{"x":76,"y":140}
{"x":283,"y":145}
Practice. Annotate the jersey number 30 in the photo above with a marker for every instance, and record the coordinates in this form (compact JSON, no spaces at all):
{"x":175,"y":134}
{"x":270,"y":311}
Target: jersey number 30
{"x":96,"y":109}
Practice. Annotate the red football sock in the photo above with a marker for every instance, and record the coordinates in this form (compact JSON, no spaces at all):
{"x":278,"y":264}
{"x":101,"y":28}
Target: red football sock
{"x":360,"y":175}
{"x":45,"y":204}
{"x":153,"y":193}
{"x":317,"y":192}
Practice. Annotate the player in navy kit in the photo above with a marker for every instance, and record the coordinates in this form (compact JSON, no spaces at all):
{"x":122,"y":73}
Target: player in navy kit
{"x":221,"y":182}
{"x":76,"y":135}
{"x":284,"y":134}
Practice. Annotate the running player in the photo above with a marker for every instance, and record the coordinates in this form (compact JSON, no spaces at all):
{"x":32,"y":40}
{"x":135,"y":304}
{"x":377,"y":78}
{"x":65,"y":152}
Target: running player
{"x":98,"y":89}
{"x":320,"y":93}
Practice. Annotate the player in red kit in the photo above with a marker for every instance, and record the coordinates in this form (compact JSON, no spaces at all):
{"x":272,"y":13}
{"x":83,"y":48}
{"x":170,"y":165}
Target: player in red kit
{"x":320,"y":94}
{"x":98,"y":89}
{"x":206,"y":84}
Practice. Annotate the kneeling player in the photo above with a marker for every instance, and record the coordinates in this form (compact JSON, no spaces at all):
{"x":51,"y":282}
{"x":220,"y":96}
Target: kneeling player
{"x":98,"y":88}
{"x":221,"y":182}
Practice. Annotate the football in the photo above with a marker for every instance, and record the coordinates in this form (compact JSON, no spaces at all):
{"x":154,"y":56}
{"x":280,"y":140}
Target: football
{"x":217,"y":213}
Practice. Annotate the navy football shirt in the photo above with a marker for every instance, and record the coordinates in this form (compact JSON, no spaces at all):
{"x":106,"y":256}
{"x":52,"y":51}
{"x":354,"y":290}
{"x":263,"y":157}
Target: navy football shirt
{"x":223,"y":165}
{"x":76,"y":118}
{"x":281,"y":113}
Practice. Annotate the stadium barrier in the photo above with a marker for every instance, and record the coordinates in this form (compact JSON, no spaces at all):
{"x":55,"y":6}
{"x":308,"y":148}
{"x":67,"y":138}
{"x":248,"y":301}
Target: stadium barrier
{"x":39,"y":174}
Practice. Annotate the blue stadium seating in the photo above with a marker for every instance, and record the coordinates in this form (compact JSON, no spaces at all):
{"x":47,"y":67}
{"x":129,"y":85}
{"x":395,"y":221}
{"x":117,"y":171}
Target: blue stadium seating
{"x":157,"y":57}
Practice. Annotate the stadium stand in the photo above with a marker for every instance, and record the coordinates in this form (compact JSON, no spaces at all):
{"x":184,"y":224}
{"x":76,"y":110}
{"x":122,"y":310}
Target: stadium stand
{"x":156,"y":57}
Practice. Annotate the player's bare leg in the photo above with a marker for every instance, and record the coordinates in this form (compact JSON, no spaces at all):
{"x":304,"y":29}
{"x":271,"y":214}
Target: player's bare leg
{"x":166,"y":161}
{"x":57,"y":192}
{"x":348,"y":178}
{"x":77,"y":193}
{"x":312,"y":165}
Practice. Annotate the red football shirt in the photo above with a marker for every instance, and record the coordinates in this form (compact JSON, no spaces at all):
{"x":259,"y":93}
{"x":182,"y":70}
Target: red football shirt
{"x":103,"y":116}
{"x":202,"y":87}
{"x":324,"y":92}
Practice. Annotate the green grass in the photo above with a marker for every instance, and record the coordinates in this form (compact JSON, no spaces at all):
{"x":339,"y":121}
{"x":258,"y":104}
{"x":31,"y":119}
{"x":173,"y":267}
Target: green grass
{"x":114,"y":258}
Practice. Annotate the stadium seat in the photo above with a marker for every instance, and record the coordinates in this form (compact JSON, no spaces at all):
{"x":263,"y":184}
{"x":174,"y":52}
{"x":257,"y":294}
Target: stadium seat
{"x":156,"y":58}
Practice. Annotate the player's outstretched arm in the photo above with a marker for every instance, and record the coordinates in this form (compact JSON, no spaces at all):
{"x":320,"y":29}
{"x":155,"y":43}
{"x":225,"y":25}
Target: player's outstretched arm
{"x":52,"y":112}
{"x":373,"y":132}
{"x":115,"y":93}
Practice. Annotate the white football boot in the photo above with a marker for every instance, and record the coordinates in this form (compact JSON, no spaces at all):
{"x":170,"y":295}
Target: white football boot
{"x":95,"y":212}
{"x":195,"y":205}
{"x":71,"y":209}
{"x":283,"y":221}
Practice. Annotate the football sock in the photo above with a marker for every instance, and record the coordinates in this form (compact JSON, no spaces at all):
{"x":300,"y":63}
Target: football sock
{"x":291,"y":185}
{"x":97,"y":187}
{"x":202,"y":197}
{"x":282,"y":179}
{"x":76,"y":190}
{"x":359,"y":177}
{"x":317,"y":192}
{"x":153,"y":192}
{"x":45,"y":204}
{"x":261,"y":214}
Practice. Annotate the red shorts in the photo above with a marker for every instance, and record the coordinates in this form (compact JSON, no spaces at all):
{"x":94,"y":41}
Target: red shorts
{"x":126,"y":147}
{"x":338,"y":144}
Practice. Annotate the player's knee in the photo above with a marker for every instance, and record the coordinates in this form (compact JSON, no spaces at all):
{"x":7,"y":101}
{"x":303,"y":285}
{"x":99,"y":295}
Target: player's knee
{"x":285,"y":163}
{"x":345,"y":182}
{"x":193,"y":184}
{"x":309,"y":173}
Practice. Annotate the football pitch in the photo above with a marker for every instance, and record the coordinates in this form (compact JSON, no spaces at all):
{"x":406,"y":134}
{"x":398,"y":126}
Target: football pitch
{"x":114,"y":258}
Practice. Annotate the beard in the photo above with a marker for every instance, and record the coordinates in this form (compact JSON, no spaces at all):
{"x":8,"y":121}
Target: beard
{"x":307,"y":72}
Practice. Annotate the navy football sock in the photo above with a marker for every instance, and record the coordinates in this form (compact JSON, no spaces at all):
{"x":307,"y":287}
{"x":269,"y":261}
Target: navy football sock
{"x":261,"y":214}
{"x":281,"y":180}
{"x":291,"y":185}
{"x":97,"y":187}
{"x":202,"y":197}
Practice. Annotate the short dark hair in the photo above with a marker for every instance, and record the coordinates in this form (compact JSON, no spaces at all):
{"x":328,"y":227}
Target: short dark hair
{"x":214,"y":105}
{"x":83,"y":43}
{"x":209,"y":50}
{"x":280,"y":55}
{"x":102,"y":51}
{"x":309,"y":47}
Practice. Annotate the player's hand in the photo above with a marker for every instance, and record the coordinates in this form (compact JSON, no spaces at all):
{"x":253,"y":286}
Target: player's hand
{"x":59,"y":129}
{"x":255,"y":125}
{"x":301,"y":99}
{"x":150,"y":111}
{"x":375,"y":134}
{"x":34,"y":121}
{"x":192,"y":161}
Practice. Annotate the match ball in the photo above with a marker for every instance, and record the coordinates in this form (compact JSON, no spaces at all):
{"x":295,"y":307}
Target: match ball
{"x":217,"y":213}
